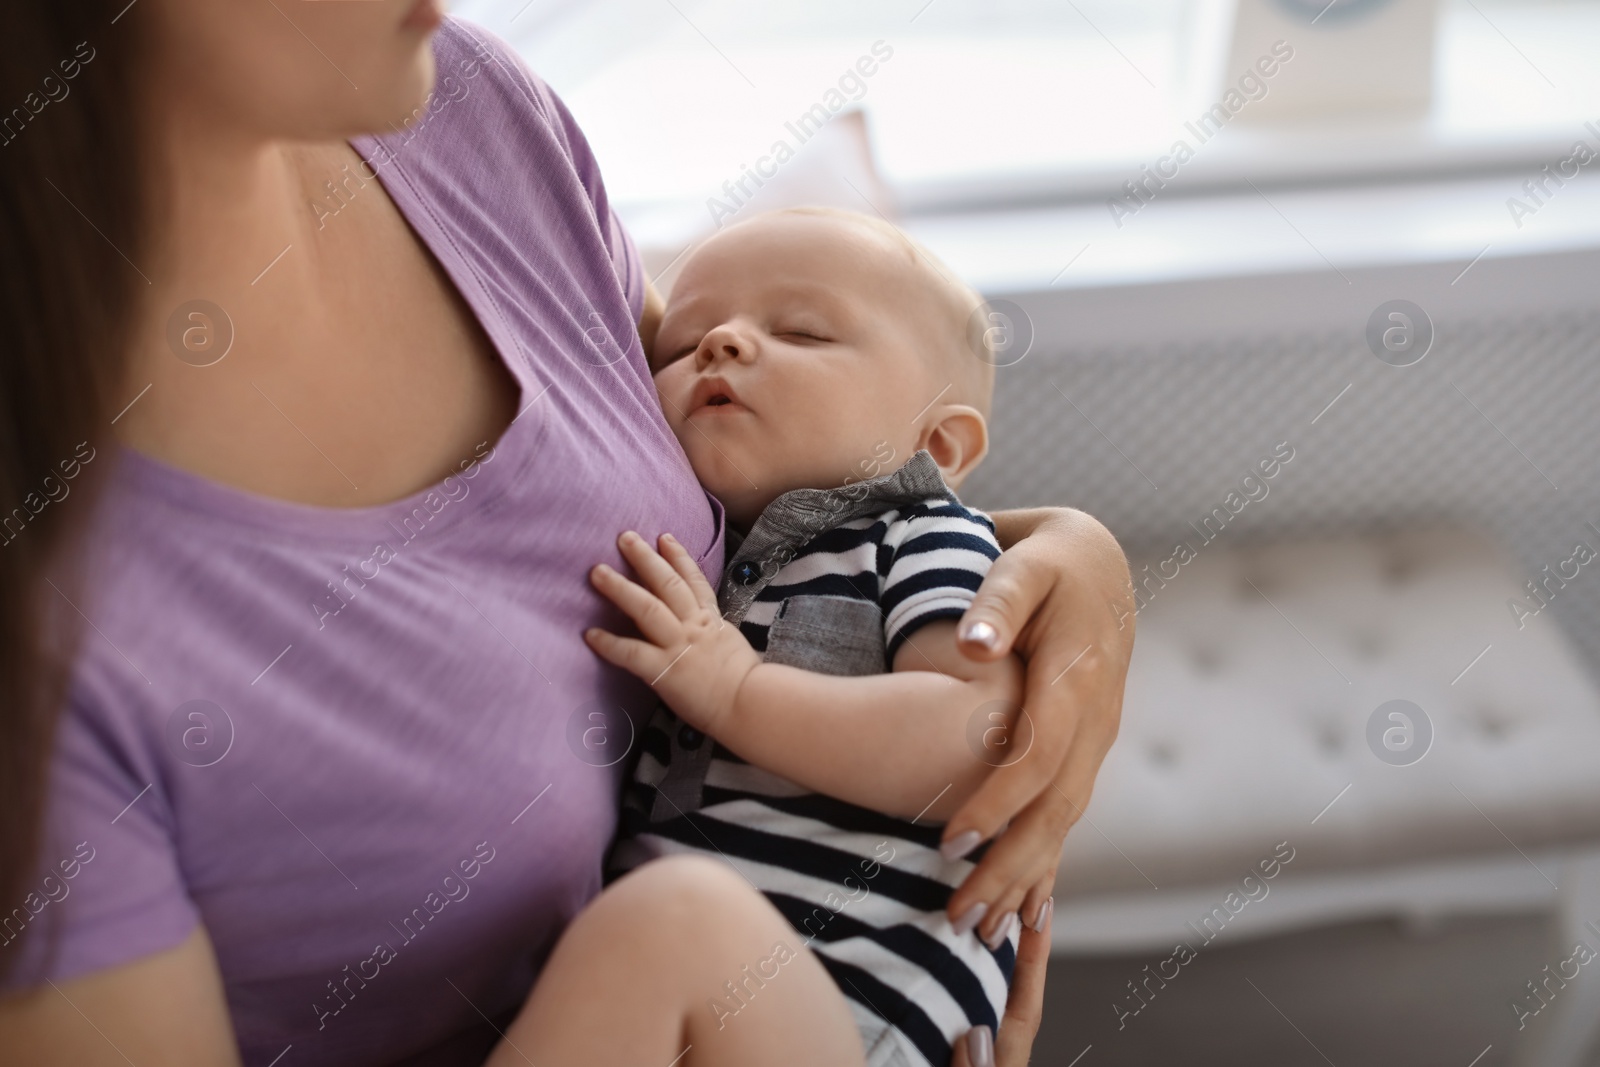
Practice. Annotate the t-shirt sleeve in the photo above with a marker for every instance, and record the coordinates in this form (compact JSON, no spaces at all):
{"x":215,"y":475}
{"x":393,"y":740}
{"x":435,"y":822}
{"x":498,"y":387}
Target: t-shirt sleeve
{"x":624,"y":255}
{"x":107,"y":888}
{"x":938,"y":552}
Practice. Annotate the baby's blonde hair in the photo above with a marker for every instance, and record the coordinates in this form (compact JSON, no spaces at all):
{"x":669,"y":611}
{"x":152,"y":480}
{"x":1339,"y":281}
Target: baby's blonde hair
{"x":968,"y":354}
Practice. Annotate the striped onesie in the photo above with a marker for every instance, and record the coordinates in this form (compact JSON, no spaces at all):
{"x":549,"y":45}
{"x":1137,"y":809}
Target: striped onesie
{"x":835,"y":581}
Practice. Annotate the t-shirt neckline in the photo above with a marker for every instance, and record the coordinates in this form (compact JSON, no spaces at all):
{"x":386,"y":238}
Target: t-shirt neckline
{"x":506,"y":456}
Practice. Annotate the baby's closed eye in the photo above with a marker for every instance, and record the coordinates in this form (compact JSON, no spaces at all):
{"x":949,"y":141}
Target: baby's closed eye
{"x":802,"y":336}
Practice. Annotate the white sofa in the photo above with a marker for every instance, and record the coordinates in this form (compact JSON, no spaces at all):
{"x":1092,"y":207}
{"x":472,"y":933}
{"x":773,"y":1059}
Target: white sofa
{"x":1256,"y":671}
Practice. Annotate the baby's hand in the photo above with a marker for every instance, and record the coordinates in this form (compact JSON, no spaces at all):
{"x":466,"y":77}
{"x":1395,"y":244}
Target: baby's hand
{"x":692,"y":657}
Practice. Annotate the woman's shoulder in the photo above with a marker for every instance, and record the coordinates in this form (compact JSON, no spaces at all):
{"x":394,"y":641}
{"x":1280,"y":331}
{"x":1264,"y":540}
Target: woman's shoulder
{"x":494,"y":161}
{"x":469,"y":58}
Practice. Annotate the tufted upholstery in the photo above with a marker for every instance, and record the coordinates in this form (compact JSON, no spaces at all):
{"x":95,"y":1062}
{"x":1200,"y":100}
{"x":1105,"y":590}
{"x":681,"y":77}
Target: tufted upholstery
{"x":1238,"y":729}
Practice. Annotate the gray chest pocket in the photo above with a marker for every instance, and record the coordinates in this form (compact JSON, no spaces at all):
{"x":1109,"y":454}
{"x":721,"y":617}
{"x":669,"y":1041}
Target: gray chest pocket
{"x":829,"y":635}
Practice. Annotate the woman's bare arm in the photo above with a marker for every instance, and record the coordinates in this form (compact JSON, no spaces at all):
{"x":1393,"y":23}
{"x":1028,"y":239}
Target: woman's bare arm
{"x":167,"y":1008}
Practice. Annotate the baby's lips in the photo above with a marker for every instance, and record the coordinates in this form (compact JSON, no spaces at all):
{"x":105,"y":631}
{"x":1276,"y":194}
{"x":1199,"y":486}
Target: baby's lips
{"x":708,"y":389}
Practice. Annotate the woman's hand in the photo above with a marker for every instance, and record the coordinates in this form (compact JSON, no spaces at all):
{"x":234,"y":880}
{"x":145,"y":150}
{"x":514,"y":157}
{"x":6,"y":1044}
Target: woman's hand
{"x":1024,"y":1009}
{"x":1061,"y":596}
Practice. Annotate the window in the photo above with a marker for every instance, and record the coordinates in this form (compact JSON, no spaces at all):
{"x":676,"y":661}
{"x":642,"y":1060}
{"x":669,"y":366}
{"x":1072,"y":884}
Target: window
{"x":994,"y":101}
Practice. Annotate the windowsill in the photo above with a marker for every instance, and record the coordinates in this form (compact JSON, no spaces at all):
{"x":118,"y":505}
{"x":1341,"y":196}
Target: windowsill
{"x":1326,"y":229}
{"x":1324,"y":153}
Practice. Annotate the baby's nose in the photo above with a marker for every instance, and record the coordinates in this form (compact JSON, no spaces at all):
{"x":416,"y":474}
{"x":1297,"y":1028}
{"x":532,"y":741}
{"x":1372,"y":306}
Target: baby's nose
{"x":729,"y":346}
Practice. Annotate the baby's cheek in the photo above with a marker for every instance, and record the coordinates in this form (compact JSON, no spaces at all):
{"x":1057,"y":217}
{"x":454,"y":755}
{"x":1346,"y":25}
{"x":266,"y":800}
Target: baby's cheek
{"x":705,"y":460}
{"x":672,"y":384}
{"x":686,"y":437}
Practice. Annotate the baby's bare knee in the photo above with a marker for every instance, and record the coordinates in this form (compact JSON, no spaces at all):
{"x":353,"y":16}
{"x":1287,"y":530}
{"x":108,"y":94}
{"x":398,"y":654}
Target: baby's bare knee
{"x":684,"y":887}
{"x":676,"y":901}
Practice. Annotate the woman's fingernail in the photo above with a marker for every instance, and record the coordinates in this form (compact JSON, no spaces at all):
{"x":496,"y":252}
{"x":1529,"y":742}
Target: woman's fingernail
{"x":958,"y":846}
{"x":669,"y":539}
{"x":1043,"y":917}
{"x":971,"y":917}
{"x":1002,"y":933}
{"x":981,"y":633}
{"x":980,"y":1047}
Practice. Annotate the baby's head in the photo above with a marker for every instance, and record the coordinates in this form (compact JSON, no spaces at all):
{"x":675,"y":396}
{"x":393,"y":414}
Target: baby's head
{"x":809,"y":347}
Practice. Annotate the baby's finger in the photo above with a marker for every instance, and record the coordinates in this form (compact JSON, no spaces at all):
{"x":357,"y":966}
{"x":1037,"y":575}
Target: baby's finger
{"x":639,"y":658}
{"x":685,"y":565}
{"x":657,"y":575}
{"x":655,"y":620}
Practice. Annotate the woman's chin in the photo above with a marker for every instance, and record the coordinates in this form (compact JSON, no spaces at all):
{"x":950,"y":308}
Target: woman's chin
{"x":411,"y":96}
{"x":399,"y":101}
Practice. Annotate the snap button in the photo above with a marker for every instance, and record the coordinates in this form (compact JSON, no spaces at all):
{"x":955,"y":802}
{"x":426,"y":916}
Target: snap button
{"x":746,"y":573}
{"x":690,"y":738}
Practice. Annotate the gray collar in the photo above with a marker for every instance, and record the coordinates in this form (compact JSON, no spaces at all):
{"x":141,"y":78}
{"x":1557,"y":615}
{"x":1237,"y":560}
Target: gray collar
{"x":800,"y":515}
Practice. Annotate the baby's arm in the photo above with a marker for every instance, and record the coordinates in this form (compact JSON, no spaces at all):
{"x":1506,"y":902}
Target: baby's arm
{"x":895,"y":743}
{"x":889,"y":742}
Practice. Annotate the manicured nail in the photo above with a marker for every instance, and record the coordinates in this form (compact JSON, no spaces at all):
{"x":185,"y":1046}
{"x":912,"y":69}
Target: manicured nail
{"x":1002,"y":933}
{"x":971,"y":917}
{"x":961,"y":844}
{"x":980,"y":1047}
{"x":981,"y":633}
{"x":1043,"y":917}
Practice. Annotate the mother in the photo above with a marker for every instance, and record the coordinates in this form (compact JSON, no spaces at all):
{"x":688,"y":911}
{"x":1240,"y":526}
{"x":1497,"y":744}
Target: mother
{"x":289,"y":714}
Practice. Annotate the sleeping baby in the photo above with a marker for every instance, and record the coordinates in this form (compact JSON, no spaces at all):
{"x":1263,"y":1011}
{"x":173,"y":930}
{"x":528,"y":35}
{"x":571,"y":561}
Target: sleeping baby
{"x":823,"y":375}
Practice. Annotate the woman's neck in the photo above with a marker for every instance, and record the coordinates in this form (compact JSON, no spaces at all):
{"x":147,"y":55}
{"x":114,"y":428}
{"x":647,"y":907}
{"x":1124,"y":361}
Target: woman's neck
{"x":232,"y":213}
{"x":328,"y":361}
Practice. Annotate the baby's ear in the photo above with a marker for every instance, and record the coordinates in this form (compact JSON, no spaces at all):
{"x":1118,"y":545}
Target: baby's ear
{"x":957,"y":437}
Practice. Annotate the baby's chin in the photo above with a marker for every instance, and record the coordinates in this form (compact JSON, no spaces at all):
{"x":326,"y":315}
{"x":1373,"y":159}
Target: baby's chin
{"x":743,"y":504}
{"x":730,"y":483}
{"x":746,"y":483}
{"x":743,"y":485}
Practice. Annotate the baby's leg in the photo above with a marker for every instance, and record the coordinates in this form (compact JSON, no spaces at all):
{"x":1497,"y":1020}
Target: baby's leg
{"x":636,"y":978}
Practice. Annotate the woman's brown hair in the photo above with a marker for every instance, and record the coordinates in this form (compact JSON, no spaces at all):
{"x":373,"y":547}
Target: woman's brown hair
{"x":72,"y":226}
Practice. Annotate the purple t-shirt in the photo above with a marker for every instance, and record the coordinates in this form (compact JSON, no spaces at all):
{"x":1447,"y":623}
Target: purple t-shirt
{"x":358,"y":745}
